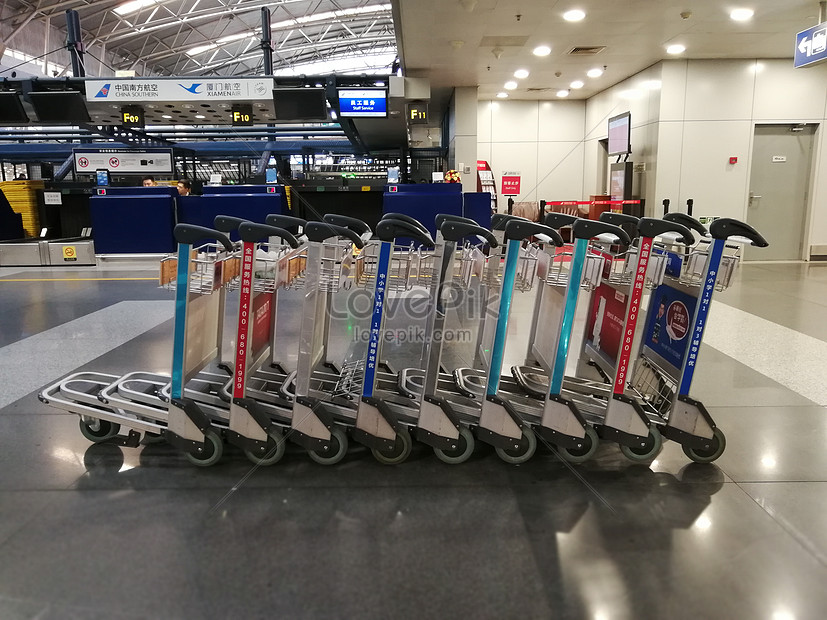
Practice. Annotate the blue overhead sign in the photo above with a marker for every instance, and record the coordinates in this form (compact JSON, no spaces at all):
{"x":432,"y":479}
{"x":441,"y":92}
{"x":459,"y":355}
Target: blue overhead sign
{"x":811,"y":45}
{"x":365,"y":102}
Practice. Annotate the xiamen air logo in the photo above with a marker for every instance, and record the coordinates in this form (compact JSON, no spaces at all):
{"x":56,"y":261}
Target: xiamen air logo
{"x":103,"y":92}
{"x":191,"y":89}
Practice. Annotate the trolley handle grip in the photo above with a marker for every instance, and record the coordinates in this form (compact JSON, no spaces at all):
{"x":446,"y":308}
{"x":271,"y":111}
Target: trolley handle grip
{"x":252,"y":232}
{"x":617,"y":219}
{"x":190,"y":233}
{"x":687,"y":220}
{"x":227,"y":223}
{"x":586,"y":229}
{"x":558,"y":220}
{"x":283,"y":221}
{"x":499,"y":220}
{"x":322,"y":231}
{"x":358,"y":226}
{"x":442,"y":217}
{"x":408,"y":219}
{"x":651,"y":227}
{"x":389,"y":229}
{"x":517,"y":231}
{"x":454,"y":231}
{"x":726,"y":227}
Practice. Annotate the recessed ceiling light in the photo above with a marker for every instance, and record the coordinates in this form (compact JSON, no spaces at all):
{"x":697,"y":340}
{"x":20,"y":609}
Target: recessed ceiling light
{"x":576,"y":84}
{"x":542,"y":50}
{"x":200,"y":116}
{"x":594,"y":73}
{"x":510,"y":85}
{"x":563,"y":93}
{"x":575,"y":15}
{"x":741,"y":15}
{"x":676,"y":48}
{"x":166,"y":116}
{"x":521,"y":73}
{"x":502,"y":95}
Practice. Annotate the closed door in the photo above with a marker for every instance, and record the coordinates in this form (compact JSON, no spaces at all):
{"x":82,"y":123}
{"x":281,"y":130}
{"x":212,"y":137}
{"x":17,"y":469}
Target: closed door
{"x":779,"y":189}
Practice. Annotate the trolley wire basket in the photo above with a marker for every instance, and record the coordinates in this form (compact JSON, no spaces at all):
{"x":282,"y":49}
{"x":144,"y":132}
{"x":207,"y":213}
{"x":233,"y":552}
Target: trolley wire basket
{"x":349,"y":384}
{"x":653,"y":386}
{"x":336,"y":263}
{"x":622,"y":267}
{"x":406,"y":263}
{"x":279,"y":267}
{"x":558,"y":270}
{"x":694,"y":266}
{"x":212,"y":268}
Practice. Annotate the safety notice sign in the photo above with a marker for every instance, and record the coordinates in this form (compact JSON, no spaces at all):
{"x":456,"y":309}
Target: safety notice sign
{"x":123,"y":161}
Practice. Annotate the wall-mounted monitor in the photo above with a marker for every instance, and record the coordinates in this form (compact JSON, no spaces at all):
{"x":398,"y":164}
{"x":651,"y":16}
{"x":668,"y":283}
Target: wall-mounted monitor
{"x":363,"y":102}
{"x":60,"y":106}
{"x":300,"y":104}
{"x":11,"y":108}
{"x":620,"y":134}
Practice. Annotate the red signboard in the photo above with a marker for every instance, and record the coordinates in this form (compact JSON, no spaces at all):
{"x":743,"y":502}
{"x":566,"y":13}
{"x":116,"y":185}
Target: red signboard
{"x":242,"y":344}
{"x":511,"y":185}
{"x":633,"y":312}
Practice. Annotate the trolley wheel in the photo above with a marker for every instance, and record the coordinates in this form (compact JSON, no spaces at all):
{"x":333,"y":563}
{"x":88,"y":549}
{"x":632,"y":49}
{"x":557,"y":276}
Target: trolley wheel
{"x":401,"y":449}
{"x":521,"y":454}
{"x":97,"y":431}
{"x":211,"y":453}
{"x":337,"y":450}
{"x":580,"y":455}
{"x":151,"y":438}
{"x":463,"y":451}
{"x":275,"y":449}
{"x":654,"y":442}
{"x":707,"y":456}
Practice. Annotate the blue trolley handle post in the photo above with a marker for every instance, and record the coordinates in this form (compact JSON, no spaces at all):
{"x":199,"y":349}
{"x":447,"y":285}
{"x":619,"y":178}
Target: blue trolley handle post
{"x":721,"y":230}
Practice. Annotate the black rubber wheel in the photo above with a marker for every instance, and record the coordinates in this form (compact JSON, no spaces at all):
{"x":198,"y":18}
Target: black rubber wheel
{"x":521,"y":454}
{"x":707,"y":456}
{"x":210,"y":454}
{"x":151,"y":438}
{"x":337,"y":450}
{"x":650,"y":449}
{"x":98,"y":430}
{"x":275,"y":449}
{"x":462,"y":452}
{"x":401,"y":449}
{"x":582,"y":454}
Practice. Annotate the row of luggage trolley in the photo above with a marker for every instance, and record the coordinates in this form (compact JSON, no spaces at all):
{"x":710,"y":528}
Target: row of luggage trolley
{"x":629,"y":383}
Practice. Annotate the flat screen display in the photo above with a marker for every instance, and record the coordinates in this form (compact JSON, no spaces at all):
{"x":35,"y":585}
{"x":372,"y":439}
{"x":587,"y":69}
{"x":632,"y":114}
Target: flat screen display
{"x":11,"y":110}
{"x":363,"y":102}
{"x":300,"y":104}
{"x":65,"y":106}
{"x":620,"y":134}
{"x":102,"y":177}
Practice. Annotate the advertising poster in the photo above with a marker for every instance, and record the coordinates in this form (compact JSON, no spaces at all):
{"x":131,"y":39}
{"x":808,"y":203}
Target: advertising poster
{"x":668,"y":323}
{"x":606,"y":319}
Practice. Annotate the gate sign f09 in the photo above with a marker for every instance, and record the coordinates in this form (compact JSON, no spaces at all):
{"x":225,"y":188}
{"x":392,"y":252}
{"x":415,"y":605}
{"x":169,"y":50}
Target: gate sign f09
{"x":811,"y":45}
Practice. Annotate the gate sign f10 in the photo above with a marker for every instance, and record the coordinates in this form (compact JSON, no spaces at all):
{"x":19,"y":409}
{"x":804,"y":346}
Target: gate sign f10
{"x":811,"y":45}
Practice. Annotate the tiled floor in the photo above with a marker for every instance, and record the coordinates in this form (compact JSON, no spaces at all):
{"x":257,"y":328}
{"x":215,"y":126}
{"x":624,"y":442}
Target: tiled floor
{"x":96,"y":531}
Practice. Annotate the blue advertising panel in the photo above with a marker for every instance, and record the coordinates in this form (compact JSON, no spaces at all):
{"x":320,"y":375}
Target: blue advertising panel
{"x":811,"y":45}
{"x":668,"y":323}
{"x":363,"y":102}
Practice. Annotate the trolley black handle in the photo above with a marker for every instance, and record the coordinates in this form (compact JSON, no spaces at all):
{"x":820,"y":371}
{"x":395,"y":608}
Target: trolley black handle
{"x":558,"y":220}
{"x":322,"y":231}
{"x":652,"y":227}
{"x":726,"y":227}
{"x":190,"y":233}
{"x":282,"y":221}
{"x":389,"y":229}
{"x":442,"y":217}
{"x":407,"y":218}
{"x":499,"y":220}
{"x":227,"y":223}
{"x":358,"y":226}
{"x":687,"y":220}
{"x":252,"y":232}
{"x":617,"y":219}
{"x":518,"y":230}
{"x":454,"y":231}
{"x":586,"y":229}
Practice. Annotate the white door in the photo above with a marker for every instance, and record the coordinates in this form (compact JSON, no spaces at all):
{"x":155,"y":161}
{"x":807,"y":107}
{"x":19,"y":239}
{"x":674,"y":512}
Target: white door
{"x":782,"y":157}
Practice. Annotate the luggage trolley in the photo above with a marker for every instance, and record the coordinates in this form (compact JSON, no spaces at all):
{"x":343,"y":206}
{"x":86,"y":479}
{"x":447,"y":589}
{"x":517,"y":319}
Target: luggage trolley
{"x":677,"y":316}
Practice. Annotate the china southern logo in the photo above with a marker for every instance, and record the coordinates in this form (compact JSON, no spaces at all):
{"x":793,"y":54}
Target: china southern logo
{"x":103,"y":92}
{"x":191,"y":89}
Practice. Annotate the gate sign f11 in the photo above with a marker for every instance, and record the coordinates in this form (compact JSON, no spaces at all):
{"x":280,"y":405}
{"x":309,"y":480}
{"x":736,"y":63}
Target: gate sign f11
{"x":811,"y":45}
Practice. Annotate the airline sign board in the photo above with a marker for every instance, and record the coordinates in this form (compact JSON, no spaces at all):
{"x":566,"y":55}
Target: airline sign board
{"x":202,"y":89}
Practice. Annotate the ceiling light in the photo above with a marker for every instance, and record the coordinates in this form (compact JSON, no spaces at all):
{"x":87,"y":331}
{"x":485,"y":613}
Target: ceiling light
{"x":576,"y":84}
{"x":502,"y":95}
{"x":380,"y":83}
{"x":510,"y":85}
{"x":130,"y":7}
{"x":200,"y":116}
{"x":166,"y":116}
{"x":563,"y":93}
{"x":595,"y":73}
{"x":575,"y":15}
{"x":675,"y":48}
{"x":741,"y":15}
{"x":542,"y":50}
{"x":521,"y":73}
